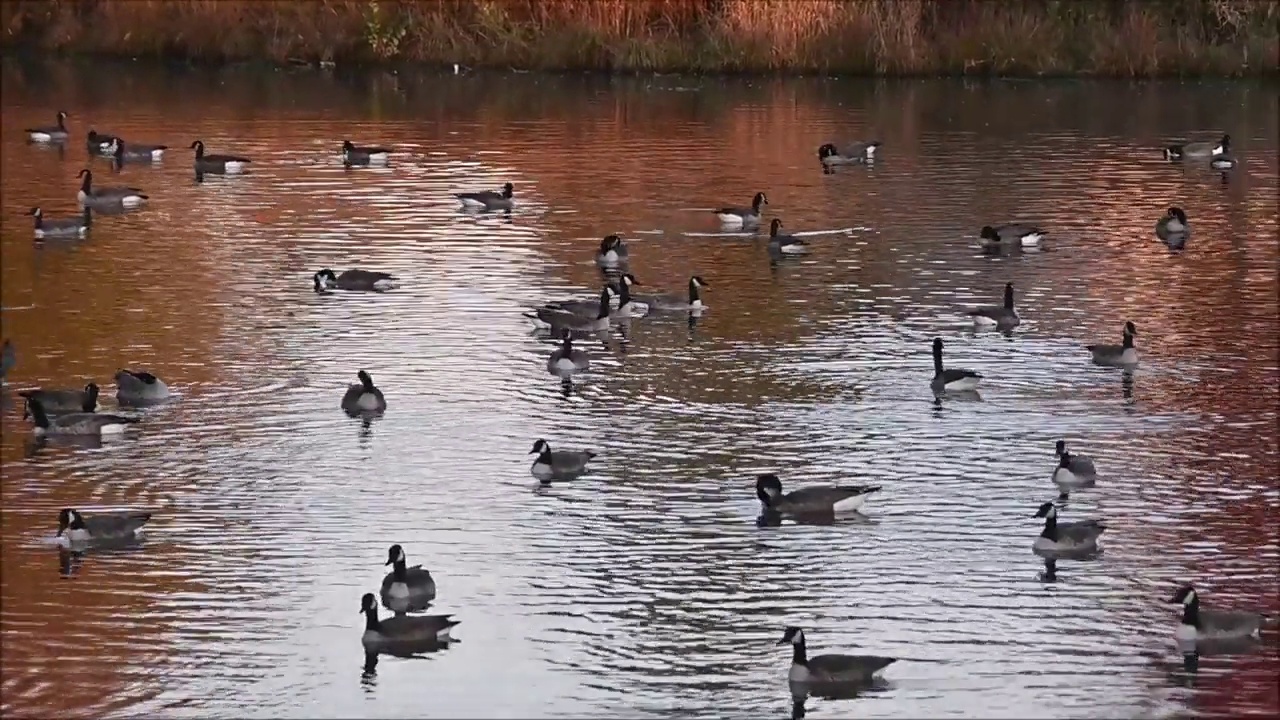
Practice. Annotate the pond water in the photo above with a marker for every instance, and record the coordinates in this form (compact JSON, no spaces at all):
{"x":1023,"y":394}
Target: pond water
{"x":644,"y":588}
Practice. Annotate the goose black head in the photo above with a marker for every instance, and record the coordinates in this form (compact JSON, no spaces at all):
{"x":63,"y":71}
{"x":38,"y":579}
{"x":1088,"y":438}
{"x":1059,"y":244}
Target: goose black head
{"x":1060,"y":448}
{"x":1047,"y":510}
{"x":68,"y":518}
{"x":36,"y":212}
{"x":368,"y":603}
{"x":609,"y":242}
{"x":759,"y":200}
{"x":348,"y":146}
{"x":1130,"y":328}
{"x":62,"y":120}
{"x":324,"y":280}
{"x":792,"y":635}
{"x":198,"y":146}
{"x":508,"y":190}
{"x":1176,"y":212}
{"x":1224,"y":146}
{"x":91,"y":397}
{"x":1186,"y":595}
{"x":1173,"y":152}
{"x":539,"y":447}
{"x":395,"y":554}
{"x":937,"y":346}
{"x":698,"y":281}
{"x":365,"y":380}
{"x":774,"y":227}
{"x":826,"y":151}
{"x":768,"y":488}
{"x":1008,"y":296}
{"x":989,"y":233}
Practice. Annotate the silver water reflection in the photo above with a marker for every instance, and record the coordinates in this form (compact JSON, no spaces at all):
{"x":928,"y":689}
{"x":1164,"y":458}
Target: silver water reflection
{"x":645,"y":588}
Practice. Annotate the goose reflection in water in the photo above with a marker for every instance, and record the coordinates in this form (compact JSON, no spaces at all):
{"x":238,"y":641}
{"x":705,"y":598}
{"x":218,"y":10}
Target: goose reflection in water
{"x":801,"y":692}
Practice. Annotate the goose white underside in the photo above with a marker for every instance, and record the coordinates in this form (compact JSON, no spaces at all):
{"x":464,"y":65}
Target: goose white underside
{"x":1031,"y":239}
{"x":367,"y":401}
{"x":565,"y":366}
{"x":794,"y":249}
{"x":472,"y":203}
{"x":378,"y":158}
{"x":384,"y":284}
{"x":233,"y":167}
{"x":962,"y":385}
{"x":43,"y":137}
{"x":398,"y":591}
{"x":1045,"y":545}
{"x":113,"y":429}
{"x":984,"y":321}
{"x":798,"y":673}
{"x":542,"y":471}
{"x":1064,"y":478}
{"x":852,"y":504}
{"x":731,"y":219}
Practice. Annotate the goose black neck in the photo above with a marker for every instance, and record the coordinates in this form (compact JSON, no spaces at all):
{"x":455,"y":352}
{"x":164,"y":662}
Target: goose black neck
{"x":367,"y":382}
{"x":399,"y":569}
{"x":1050,"y":531}
{"x":755,"y":204}
{"x":693,"y":292}
{"x":799,"y":656}
{"x":604,"y":305}
{"x":1064,"y":460}
{"x":1128,"y":341}
{"x":937,"y":360}
{"x":544,"y":457}
{"x":37,"y":413}
{"x":624,"y":292}
{"x":40,"y":219}
{"x":1008,"y":297}
{"x":1191,"y":613}
{"x":566,"y":345}
{"x":86,"y":183}
{"x":88,"y":215}
{"x":371,"y":619}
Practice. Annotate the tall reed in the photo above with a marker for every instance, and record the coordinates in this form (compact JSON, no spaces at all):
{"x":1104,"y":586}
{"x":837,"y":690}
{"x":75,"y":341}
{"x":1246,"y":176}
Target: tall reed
{"x":1126,"y":38}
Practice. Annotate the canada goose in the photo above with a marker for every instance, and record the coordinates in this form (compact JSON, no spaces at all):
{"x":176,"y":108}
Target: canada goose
{"x":854,"y":154}
{"x":401,"y":629}
{"x":363,"y":280}
{"x":567,"y":360}
{"x":488,"y":199}
{"x":813,"y":500}
{"x":1012,"y":233}
{"x":628,"y":306}
{"x":405,"y":588}
{"x":76,"y":423}
{"x":355,"y":155}
{"x":55,"y":133}
{"x":1198,"y":624}
{"x":612,"y":252}
{"x":829,"y":668}
{"x":218,"y":164}
{"x":74,"y":528}
{"x":57,"y":402}
{"x":1122,"y":355}
{"x":1198,"y":149}
{"x":1222,"y":162}
{"x":124,"y":196}
{"x":139,"y":387}
{"x":951,"y":379}
{"x":98,"y":143}
{"x":61,"y":228}
{"x":1073,"y":471}
{"x":673,"y":302}
{"x":1173,"y":225}
{"x":1002,"y":316}
{"x":136,"y":151}
{"x":1080,"y":537}
{"x":8,"y":358}
{"x":560,"y":319}
{"x":558,"y":465}
{"x":363,"y":396}
{"x":743,"y":216}
{"x":781,"y":244}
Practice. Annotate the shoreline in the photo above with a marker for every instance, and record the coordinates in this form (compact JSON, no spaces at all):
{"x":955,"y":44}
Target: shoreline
{"x":900,"y":39}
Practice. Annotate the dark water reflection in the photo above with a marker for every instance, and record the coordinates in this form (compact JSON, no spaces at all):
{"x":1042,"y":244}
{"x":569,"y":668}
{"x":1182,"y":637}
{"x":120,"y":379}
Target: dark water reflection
{"x":644,"y":588}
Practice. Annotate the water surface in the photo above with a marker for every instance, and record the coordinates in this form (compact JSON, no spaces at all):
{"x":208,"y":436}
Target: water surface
{"x":644,"y":589}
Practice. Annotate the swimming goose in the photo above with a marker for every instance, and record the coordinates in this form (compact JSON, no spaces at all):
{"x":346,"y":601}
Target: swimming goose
{"x":829,"y":668}
{"x":1122,"y":355}
{"x":672,"y":302}
{"x":401,"y":629}
{"x":218,"y":164}
{"x":781,"y":244}
{"x":74,"y":528}
{"x":56,"y":133}
{"x":951,"y":379}
{"x":8,"y":358}
{"x":567,"y":360}
{"x":1198,"y":149}
{"x":1011,"y":233}
{"x":1073,"y":471}
{"x":76,"y":423}
{"x":628,"y":306}
{"x":363,"y":396}
{"x":355,"y":155}
{"x":124,"y":196}
{"x":813,"y":500}
{"x":558,"y":465}
{"x":136,"y":151}
{"x":1080,"y":537}
{"x":139,"y":387}
{"x":1002,"y":316}
{"x":488,"y":199}
{"x":57,"y":402}
{"x":1173,"y":225}
{"x":854,"y":154}
{"x":66,"y":227}
{"x":743,"y":216}
{"x":1199,"y":624}
{"x":612,"y":252}
{"x":405,"y":588}
{"x":368,"y":280}
{"x":99,"y":144}
{"x":561,"y":319}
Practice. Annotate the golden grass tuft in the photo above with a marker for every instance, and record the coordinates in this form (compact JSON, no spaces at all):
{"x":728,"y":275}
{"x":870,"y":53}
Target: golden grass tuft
{"x":1126,"y":38}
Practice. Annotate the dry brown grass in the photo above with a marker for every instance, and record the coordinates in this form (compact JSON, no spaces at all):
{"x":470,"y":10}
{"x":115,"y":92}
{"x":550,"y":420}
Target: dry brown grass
{"x":1131,"y":38}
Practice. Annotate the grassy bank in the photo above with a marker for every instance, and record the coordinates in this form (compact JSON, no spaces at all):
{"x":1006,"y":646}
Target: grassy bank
{"x":1119,"y":38}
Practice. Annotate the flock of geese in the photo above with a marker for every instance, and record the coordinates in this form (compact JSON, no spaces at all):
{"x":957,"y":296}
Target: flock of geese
{"x":408,"y":590}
